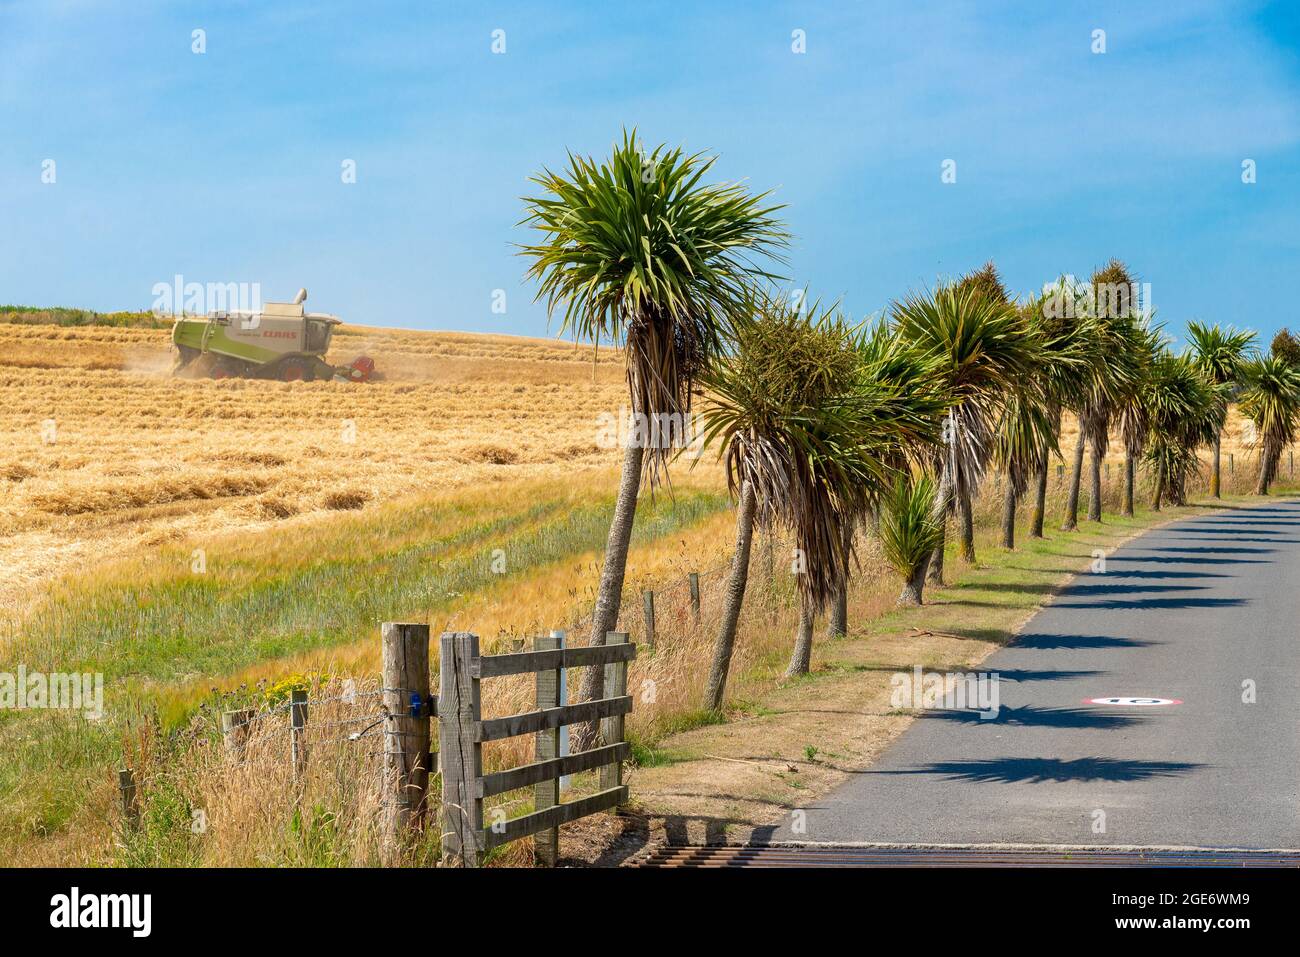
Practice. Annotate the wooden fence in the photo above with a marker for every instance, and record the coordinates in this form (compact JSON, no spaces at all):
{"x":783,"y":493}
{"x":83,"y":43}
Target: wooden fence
{"x":409,"y":763}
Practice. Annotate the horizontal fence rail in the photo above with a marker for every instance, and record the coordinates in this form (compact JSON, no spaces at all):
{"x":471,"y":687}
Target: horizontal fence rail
{"x":511,"y":726}
{"x":527,"y":775}
{"x":495,"y":666}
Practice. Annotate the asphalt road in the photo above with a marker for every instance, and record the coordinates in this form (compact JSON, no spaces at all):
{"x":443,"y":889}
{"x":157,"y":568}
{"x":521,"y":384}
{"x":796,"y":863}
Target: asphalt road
{"x":1189,"y":611}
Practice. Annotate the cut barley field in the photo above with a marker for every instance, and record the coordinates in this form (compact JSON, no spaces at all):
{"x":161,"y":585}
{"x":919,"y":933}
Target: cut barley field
{"x":136,"y":458}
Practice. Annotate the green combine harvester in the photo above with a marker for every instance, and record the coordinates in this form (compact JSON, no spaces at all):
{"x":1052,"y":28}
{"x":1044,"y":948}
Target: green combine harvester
{"x":282,"y":341}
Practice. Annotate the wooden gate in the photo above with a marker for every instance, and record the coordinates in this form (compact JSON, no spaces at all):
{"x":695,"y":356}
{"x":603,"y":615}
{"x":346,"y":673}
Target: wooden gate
{"x":462,"y":730}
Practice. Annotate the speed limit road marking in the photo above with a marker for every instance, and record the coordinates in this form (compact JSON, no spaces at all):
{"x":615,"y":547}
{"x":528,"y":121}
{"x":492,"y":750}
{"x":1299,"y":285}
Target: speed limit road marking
{"x":1134,"y":702}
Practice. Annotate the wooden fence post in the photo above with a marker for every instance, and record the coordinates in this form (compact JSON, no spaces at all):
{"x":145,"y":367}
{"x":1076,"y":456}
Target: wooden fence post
{"x":1060,"y":471}
{"x":694,"y":579}
{"x":1229,"y":463}
{"x":648,"y":607}
{"x":611,"y":775}
{"x":460,"y":751}
{"x":130,"y":803}
{"x":235,"y":729}
{"x":298,"y":729}
{"x":546,"y":844}
{"x":565,"y":780}
{"x":407,"y":709}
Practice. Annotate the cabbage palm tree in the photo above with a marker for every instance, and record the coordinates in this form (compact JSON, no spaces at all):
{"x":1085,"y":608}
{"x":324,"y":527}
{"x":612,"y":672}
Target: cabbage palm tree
{"x":1270,"y":399}
{"x":909,"y":533}
{"x":1220,"y":354}
{"x":765,"y":396}
{"x":1182,"y":408}
{"x":1112,"y":306}
{"x":1133,"y":410}
{"x":986,"y":283}
{"x":844,"y":463}
{"x":638,"y":251}
{"x":1068,"y":331}
{"x":1120,"y":323}
{"x":981,"y":352}
{"x":1025,"y":437}
{"x":1027,"y":433}
{"x":913,"y":406}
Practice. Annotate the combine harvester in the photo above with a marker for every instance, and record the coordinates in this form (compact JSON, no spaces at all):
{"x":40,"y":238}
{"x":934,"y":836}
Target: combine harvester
{"x":281,"y":342}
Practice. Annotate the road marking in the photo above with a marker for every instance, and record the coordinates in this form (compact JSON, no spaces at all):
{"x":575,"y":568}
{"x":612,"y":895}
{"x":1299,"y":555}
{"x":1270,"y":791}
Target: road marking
{"x":1135,"y":702}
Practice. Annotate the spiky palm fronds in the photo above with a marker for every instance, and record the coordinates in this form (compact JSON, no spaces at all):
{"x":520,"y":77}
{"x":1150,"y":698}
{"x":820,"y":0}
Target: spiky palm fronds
{"x":804,"y":423}
{"x":909,"y":531}
{"x":1119,"y":338}
{"x":1220,"y":354}
{"x":1062,"y":319}
{"x":981,"y":353}
{"x":1025,"y":438}
{"x":1270,"y":399}
{"x":786,"y":362}
{"x":1132,"y":411}
{"x":1028,"y":429}
{"x":1182,"y":406}
{"x":911,"y":396}
{"x":638,"y":251}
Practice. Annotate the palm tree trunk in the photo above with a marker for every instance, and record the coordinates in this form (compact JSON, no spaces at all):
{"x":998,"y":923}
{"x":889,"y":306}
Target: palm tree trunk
{"x":1265,"y":473}
{"x":1040,"y":503}
{"x":1072,"y":501}
{"x":839,"y":620}
{"x":1009,"y":516}
{"x":966,"y":523}
{"x":1214,"y":468}
{"x":1094,"y":504}
{"x":801,"y":660}
{"x":605,"y":617}
{"x":913,"y":587}
{"x":726,"y":640}
{"x":1160,"y":492}
{"x":934,"y":574}
{"x":1128,"y":483}
{"x":942,"y":505}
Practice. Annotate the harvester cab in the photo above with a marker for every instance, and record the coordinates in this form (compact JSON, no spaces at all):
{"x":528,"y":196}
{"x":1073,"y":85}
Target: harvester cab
{"x":281,"y":341}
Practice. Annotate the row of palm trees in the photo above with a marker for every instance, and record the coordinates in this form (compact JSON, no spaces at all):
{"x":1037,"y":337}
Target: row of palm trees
{"x":826,"y":426}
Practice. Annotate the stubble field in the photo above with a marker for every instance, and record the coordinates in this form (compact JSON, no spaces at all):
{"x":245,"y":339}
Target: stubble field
{"x":106,"y":453}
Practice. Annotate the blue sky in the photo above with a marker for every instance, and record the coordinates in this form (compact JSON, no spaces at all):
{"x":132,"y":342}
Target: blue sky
{"x":225,"y":166}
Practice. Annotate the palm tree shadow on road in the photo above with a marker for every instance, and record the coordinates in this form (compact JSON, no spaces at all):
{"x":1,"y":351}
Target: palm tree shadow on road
{"x":1030,"y":716}
{"x":1047,"y":640}
{"x":1050,"y":770}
